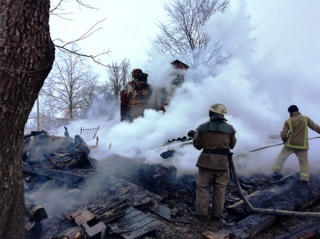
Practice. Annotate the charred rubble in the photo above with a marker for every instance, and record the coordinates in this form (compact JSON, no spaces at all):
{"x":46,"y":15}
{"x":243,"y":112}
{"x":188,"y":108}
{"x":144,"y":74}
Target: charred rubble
{"x":68,"y":194}
{"x":81,"y":198}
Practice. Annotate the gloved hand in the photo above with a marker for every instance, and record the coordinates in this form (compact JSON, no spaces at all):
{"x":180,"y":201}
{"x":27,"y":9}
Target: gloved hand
{"x":192,"y":133}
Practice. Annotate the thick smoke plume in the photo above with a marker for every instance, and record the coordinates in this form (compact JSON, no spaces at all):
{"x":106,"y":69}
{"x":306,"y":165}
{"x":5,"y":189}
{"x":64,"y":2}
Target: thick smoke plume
{"x":274,"y":63}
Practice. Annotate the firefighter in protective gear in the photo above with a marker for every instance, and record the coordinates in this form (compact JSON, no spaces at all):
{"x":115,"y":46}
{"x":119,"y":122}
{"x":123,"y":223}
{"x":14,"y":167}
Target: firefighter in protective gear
{"x":215,"y":138}
{"x":295,"y":137}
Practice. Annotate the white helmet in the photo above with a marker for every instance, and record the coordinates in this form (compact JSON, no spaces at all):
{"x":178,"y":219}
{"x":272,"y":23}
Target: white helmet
{"x":218,"y":108}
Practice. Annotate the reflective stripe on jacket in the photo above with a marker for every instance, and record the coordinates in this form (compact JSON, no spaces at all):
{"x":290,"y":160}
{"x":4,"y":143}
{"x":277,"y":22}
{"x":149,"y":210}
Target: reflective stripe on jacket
{"x":298,"y":139}
{"x":295,"y":131}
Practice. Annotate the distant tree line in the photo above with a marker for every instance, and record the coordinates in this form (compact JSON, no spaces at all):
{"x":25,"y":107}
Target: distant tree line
{"x":73,"y":87}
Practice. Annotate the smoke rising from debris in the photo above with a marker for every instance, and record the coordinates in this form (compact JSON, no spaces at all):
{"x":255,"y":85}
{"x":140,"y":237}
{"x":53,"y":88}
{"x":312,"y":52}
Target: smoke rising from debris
{"x":271,"y":67}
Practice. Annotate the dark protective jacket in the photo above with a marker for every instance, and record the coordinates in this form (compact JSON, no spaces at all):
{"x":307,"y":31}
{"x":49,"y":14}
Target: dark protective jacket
{"x":295,"y":131}
{"x":214,"y":134}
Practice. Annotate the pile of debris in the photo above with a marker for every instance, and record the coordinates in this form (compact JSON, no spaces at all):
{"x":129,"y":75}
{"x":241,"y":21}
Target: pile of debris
{"x":84,"y":199}
{"x":71,"y":195}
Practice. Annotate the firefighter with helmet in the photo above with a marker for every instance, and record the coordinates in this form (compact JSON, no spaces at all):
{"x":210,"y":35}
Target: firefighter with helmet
{"x":295,"y":137}
{"x":215,"y":138}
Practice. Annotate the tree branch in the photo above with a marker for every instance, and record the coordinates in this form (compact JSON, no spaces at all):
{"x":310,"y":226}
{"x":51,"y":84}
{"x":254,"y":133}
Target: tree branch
{"x":92,"y":57}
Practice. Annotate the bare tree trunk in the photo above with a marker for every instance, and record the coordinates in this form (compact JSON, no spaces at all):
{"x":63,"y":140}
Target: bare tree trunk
{"x":26,"y":58}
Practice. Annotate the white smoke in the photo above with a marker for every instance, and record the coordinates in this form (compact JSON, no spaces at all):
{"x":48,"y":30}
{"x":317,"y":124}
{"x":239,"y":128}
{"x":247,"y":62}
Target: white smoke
{"x":263,"y":77}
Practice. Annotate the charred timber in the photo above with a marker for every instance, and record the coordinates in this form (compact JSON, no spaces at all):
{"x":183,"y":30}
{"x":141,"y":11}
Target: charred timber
{"x":34,"y":133}
{"x":288,"y":194}
{"x":288,"y":191}
{"x":64,"y":177}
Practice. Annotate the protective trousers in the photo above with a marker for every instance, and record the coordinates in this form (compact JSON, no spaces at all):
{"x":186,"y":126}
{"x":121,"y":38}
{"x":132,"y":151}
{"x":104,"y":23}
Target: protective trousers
{"x":219,"y":180}
{"x":303,"y":161}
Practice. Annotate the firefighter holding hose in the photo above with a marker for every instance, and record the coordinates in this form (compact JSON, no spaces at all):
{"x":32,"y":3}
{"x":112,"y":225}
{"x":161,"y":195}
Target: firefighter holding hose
{"x":215,"y":138}
{"x":295,"y":137}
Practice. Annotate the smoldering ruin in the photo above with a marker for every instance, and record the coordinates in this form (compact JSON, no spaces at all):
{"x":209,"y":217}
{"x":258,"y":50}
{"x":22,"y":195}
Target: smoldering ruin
{"x":70,"y":194}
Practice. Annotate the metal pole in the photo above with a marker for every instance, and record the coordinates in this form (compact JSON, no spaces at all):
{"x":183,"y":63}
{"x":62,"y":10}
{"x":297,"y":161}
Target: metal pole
{"x":38,"y":114}
{"x":274,"y":145}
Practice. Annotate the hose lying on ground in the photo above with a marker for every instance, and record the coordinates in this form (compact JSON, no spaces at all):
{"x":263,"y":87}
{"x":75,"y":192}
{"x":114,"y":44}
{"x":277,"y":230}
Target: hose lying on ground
{"x":234,"y":176}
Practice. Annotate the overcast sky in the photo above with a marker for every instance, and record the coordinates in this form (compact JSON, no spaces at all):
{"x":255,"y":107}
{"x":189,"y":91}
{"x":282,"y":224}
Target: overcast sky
{"x":130,"y":24}
{"x":128,"y":27}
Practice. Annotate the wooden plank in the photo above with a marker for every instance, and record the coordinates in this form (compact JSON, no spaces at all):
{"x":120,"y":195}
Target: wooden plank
{"x":152,"y":225}
{"x":127,"y":221}
{"x":126,"y":215}
{"x":134,"y":224}
{"x":161,"y":210}
{"x":82,"y":217}
{"x":139,"y":222}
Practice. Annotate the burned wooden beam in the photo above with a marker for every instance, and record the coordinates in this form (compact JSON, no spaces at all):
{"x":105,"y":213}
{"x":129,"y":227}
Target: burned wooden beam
{"x":289,"y":194}
{"x":115,"y":213}
{"x":290,"y":191}
{"x":304,"y":231}
{"x":34,"y":133}
{"x":104,"y":209}
{"x":61,"y":176}
{"x":249,"y":226}
{"x":256,"y":182}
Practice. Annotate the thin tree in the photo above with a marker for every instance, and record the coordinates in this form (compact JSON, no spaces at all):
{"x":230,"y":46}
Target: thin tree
{"x":119,"y":76}
{"x":90,"y":92}
{"x":70,"y":86}
{"x":181,"y":36}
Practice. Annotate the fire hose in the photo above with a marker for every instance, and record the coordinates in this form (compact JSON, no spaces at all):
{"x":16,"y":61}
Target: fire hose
{"x":274,"y":145}
{"x":234,"y":176}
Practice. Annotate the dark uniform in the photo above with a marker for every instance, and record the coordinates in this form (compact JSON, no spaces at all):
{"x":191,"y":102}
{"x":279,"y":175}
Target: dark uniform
{"x":216,"y":138}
